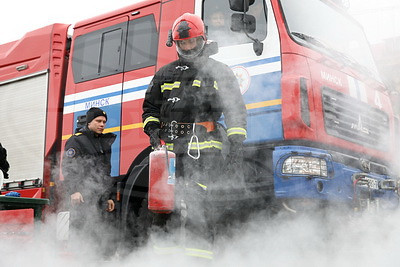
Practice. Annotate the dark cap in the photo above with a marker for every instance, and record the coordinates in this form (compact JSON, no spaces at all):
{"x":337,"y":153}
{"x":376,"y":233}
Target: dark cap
{"x":93,"y":113}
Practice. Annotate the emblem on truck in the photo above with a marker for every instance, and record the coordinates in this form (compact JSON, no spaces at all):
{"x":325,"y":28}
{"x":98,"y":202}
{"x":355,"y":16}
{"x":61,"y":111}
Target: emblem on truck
{"x":243,"y":77}
{"x":359,"y":126}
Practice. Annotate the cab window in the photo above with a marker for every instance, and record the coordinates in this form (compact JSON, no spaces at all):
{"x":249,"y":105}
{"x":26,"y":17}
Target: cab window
{"x":141,"y":43}
{"x":99,"y":53}
{"x":123,"y":47}
{"x":217,"y":19}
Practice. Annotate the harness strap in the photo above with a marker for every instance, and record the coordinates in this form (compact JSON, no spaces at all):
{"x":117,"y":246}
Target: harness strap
{"x":178,"y":129}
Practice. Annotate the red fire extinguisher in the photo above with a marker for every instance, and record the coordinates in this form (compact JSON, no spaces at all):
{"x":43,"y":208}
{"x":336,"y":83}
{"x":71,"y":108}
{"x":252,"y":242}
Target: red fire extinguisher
{"x":161,"y":196}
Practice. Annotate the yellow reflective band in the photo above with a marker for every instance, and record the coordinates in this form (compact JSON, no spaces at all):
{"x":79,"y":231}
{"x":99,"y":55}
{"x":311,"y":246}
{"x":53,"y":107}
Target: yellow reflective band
{"x":206,"y":144}
{"x":199,"y":253}
{"x":170,"y":146}
{"x":196,"y":83}
{"x":215,"y":85}
{"x":170,"y":86}
{"x":202,"y":185}
{"x":236,"y":130}
{"x":149,"y":119}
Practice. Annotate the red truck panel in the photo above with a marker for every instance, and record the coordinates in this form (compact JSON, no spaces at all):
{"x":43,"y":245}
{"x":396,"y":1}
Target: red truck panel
{"x":17,"y":224}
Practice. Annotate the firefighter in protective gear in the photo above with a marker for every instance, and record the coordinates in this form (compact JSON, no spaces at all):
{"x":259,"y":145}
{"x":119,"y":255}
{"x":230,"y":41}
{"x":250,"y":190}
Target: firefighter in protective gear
{"x":193,"y":92}
{"x":182,"y":105}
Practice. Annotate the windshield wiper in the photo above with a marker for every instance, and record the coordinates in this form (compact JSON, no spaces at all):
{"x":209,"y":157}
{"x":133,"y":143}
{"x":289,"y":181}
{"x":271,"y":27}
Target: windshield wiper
{"x":310,"y":39}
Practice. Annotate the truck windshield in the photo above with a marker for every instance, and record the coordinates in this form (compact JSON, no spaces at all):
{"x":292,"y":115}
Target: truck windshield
{"x":217,"y":19}
{"x":325,"y":27}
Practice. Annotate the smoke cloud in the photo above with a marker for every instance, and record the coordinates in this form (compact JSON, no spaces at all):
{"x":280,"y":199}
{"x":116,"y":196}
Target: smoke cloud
{"x":379,"y":18}
{"x":329,"y":239}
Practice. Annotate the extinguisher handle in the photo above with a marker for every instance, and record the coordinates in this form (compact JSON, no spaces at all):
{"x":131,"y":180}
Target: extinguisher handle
{"x":160,"y":146}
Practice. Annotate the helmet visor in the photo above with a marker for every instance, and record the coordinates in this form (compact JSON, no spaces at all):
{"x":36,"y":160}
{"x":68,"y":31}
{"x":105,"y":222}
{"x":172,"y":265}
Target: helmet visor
{"x":190,"y":48}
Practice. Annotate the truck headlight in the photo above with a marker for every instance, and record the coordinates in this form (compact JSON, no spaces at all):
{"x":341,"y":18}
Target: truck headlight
{"x":302,"y":165}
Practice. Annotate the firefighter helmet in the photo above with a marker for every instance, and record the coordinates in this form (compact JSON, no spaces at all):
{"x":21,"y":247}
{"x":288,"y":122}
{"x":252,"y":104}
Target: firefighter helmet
{"x":188,"y":26}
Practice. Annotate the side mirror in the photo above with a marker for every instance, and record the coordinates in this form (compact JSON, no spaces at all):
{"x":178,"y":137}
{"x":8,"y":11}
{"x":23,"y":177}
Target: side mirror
{"x":243,"y":23}
{"x":240,"y":5}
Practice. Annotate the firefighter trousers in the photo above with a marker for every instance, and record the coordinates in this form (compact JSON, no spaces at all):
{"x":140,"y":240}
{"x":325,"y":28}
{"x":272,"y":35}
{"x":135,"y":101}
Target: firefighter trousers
{"x":192,"y":224}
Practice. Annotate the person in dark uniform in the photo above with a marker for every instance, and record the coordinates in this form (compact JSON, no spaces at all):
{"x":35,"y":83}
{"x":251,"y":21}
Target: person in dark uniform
{"x":86,"y":168}
{"x":4,"y":165}
{"x":182,"y":105}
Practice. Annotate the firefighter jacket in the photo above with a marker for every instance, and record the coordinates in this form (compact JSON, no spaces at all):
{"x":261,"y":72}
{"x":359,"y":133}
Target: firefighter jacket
{"x":86,"y":165}
{"x":194,"y":92}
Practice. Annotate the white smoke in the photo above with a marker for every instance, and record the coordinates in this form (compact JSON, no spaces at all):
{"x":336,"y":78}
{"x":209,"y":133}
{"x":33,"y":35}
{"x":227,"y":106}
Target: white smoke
{"x":379,"y":18}
{"x":330,"y":239}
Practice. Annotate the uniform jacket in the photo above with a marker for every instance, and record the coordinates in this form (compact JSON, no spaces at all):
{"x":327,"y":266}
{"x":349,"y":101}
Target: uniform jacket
{"x":4,"y":166}
{"x":199,"y":91}
{"x":86,"y":164}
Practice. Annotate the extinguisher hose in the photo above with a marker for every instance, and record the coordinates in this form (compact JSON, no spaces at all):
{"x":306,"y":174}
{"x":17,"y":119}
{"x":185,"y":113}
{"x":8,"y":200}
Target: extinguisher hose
{"x":166,"y":158}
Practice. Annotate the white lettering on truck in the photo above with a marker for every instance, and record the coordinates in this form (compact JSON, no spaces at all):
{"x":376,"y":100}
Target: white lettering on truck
{"x":97,"y":103}
{"x":331,"y":78}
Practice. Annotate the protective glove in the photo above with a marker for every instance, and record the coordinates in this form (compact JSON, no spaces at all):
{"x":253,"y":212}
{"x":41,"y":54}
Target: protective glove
{"x":236,"y":138}
{"x":155,"y":140}
{"x":234,"y":162}
{"x":235,"y":155}
{"x":153,"y":131}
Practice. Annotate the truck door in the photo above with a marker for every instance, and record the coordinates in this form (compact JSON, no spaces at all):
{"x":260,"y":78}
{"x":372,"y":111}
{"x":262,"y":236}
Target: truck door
{"x":259,"y":76}
{"x":97,"y":68}
{"x":140,"y":66}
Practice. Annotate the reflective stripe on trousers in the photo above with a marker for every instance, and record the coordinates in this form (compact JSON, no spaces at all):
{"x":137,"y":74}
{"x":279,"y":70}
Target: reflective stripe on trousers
{"x":192,"y":252}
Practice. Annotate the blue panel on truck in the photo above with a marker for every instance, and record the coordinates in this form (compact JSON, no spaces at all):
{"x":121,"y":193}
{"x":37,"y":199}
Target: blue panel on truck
{"x":263,"y":101}
{"x":265,"y":125}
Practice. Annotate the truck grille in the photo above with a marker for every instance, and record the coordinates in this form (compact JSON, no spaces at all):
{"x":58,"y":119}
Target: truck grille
{"x":355,"y":121}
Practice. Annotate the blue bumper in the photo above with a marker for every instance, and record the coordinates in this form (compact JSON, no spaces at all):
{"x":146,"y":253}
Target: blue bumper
{"x":336,"y":183}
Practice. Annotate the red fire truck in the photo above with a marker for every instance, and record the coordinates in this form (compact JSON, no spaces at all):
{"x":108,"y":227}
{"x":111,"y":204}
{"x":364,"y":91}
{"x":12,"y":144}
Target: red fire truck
{"x":320,"y":123}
